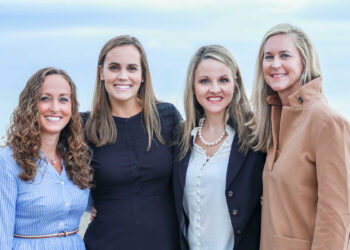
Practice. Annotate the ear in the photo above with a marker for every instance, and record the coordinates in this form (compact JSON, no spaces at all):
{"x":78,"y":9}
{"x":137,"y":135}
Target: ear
{"x":102,"y":77}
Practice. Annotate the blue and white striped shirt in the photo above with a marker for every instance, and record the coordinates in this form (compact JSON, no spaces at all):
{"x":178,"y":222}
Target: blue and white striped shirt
{"x":50,"y":204}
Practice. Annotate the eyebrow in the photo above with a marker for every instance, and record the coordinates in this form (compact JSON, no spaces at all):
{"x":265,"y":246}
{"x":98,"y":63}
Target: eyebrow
{"x":204,"y":76}
{"x":282,"y":51}
{"x":131,"y":64}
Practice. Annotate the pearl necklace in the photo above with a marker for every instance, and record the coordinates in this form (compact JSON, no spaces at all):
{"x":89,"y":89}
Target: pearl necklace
{"x":201,"y":122}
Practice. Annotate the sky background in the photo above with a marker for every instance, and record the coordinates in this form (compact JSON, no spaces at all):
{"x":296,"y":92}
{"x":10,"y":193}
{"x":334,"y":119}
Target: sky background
{"x":36,"y":34}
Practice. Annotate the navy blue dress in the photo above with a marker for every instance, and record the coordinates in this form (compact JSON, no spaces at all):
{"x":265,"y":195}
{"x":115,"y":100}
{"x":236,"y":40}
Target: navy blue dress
{"x":133,"y":191}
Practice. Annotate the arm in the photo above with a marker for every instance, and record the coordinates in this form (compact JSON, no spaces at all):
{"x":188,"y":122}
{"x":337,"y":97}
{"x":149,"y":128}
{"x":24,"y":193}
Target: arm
{"x":8,"y":196}
{"x":332,"y":225}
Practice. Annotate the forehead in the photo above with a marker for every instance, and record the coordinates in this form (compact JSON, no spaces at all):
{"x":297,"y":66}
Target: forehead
{"x":124,"y":53}
{"x":280,"y":42}
{"x":212,"y":67}
{"x":55,"y":84}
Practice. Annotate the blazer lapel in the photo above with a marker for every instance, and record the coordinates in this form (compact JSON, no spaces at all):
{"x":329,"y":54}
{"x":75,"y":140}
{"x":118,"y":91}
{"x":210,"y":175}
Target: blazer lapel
{"x":182,"y":168}
{"x":235,"y":162}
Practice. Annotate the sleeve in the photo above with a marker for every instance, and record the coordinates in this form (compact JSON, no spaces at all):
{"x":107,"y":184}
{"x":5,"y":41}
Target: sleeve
{"x":332,"y":224}
{"x":8,"y":196}
{"x":177,"y":119}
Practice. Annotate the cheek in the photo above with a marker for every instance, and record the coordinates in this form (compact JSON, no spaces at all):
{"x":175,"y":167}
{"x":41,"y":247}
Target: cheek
{"x":42,"y":108}
{"x":265,"y":68}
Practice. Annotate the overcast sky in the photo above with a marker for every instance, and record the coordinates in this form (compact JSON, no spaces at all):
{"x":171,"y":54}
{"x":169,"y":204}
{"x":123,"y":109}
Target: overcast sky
{"x":36,"y":34}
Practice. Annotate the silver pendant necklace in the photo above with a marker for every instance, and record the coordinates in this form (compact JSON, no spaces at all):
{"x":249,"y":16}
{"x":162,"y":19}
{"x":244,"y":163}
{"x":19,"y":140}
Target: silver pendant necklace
{"x":201,"y":123}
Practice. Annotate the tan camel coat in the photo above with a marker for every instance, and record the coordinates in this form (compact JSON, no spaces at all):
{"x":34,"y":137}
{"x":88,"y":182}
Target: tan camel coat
{"x":306,"y":179}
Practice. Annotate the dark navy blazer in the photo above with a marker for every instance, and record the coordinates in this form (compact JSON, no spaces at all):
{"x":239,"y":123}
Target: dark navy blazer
{"x":243,"y":192}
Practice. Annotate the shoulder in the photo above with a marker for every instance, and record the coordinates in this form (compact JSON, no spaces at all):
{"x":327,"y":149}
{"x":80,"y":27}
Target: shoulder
{"x":6,"y":152}
{"x":165,"y":108}
{"x":7,"y":162}
{"x":84,"y":116}
{"x":168,"y":111}
{"x":325,"y":116}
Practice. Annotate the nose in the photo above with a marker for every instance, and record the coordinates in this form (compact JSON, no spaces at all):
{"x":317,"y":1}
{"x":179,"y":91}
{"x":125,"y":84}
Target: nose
{"x":276,"y":62}
{"x":215,"y":88}
{"x":55,"y":105}
{"x":123,"y":75}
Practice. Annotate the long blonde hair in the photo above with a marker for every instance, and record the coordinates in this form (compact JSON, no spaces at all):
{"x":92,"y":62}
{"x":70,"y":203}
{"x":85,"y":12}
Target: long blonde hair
{"x":100,"y":127}
{"x":238,"y":110}
{"x":261,"y":90}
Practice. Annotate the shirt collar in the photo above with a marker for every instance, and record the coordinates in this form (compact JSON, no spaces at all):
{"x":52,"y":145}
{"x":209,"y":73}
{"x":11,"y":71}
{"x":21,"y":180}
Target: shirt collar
{"x":304,"y":96}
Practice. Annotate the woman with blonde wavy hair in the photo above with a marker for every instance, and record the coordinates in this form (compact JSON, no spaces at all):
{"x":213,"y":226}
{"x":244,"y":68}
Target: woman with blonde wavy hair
{"x":217,"y":176}
{"x":306,"y":175}
{"x":130,"y":133}
{"x":44,"y":170}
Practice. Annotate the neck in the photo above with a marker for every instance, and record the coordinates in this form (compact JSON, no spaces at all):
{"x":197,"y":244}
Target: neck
{"x":215,"y":122}
{"x":126,"y":109}
{"x":283,"y":95}
{"x":49,"y":145}
{"x":284,"y":98}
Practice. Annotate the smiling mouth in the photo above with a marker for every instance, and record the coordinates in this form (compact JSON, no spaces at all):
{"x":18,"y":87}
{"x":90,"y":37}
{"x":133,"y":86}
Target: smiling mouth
{"x":122,"y":86}
{"x":53,"y":118}
{"x":278,"y":75}
{"x":215,"y":99}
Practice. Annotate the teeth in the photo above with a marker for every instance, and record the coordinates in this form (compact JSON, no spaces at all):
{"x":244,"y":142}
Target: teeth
{"x":278,"y":75}
{"x":123,"y":86}
{"x":214,"y":98}
{"x":52,"y":118}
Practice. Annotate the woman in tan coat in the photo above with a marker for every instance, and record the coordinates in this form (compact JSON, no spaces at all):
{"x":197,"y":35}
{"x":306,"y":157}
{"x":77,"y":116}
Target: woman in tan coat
{"x":306,"y":178}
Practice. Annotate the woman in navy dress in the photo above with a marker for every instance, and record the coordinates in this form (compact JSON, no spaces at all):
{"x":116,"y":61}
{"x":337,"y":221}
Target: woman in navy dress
{"x":217,"y":176}
{"x":44,"y":170}
{"x":129,"y":132}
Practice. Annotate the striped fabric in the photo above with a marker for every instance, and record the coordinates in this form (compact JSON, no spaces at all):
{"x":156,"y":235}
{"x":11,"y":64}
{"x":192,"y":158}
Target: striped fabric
{"x":50,"y":204}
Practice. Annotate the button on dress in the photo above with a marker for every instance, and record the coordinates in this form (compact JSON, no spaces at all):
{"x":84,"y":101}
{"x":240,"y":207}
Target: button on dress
{"x":133,"y":190}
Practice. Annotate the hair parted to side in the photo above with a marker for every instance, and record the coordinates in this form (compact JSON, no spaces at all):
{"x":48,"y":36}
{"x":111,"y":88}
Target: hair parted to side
{"x":23,"y":134}
{"x":261,"y":90}
{"x":239,"y":110}
{"x":100,"y":127}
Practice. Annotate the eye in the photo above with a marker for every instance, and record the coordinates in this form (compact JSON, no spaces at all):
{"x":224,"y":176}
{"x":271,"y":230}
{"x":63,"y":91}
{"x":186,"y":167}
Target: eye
{"x":132,"y":68}
{"x":285,"y":56}
{"x":113,"y":67}
{"x":203,"y":81}
{"x":45,"y":98}
{"x":268,"y":57}
{"x":64,"y":99}
{"x":224,"y":79}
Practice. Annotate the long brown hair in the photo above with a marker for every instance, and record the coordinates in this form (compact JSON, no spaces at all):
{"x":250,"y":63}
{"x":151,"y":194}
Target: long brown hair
{"x":23,"y":135}
{"x":261,"y":90}
{"x":238,"y":110}
{"x":100,"y":127}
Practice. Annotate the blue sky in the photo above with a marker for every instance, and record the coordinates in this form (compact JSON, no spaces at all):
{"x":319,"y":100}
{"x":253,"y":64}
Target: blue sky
{"x":36,"y":34}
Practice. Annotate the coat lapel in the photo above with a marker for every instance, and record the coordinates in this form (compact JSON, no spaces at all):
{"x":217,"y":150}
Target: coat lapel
{"x":235,"y":162}
{"x":182,"y":168}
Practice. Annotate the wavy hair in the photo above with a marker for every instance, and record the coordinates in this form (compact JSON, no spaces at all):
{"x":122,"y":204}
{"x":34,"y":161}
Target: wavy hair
{"x":100,"y":127}
{"x":23,"y":134}
{"x":261,"y":90}
{"x":238,"y":110}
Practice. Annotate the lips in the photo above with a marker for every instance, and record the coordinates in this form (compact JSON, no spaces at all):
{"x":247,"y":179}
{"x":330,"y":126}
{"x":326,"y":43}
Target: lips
{"x":214,"y":98}
{"x":278,"y":75}
{"x":122,"y":86}
{"x":53,"y":118}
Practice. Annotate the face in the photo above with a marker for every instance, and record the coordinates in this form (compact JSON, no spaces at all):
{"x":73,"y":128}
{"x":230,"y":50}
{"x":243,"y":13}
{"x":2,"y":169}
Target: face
{"x":55,"y":105}
{"x":122,"y":74}
{"x":282,"y":64}
{"x":213,"y":86}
